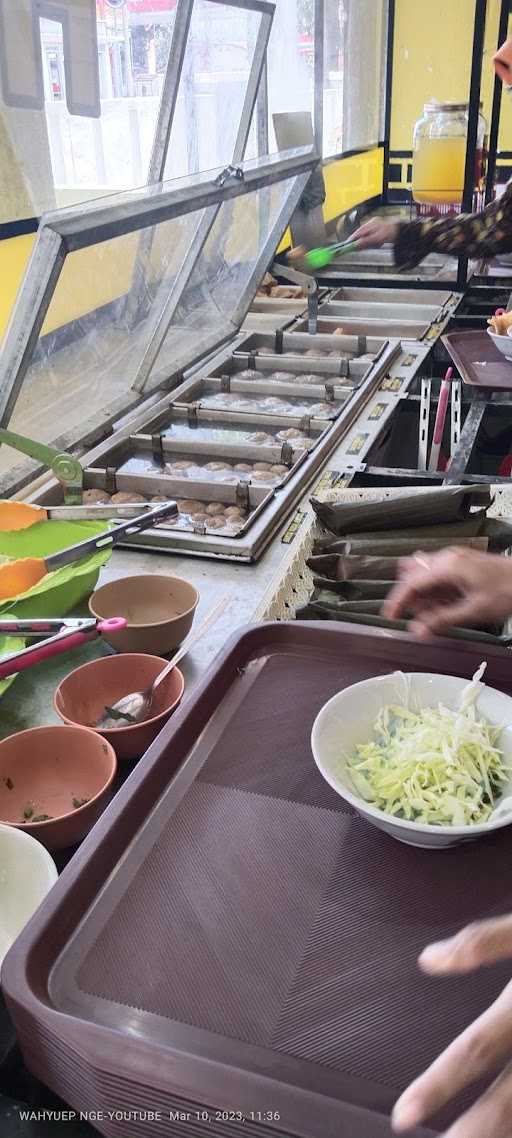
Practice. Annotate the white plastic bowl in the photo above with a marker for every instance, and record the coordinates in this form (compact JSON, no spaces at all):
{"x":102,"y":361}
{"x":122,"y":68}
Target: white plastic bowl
{"x":349,"y":719}
{"x":27,"y":873}
{"x":502,"y":343}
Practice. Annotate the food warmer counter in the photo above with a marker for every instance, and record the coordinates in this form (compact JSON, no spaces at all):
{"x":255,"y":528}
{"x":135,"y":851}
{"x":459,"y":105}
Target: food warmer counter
{"x":386,"y":313}
{"x":155,"y":392}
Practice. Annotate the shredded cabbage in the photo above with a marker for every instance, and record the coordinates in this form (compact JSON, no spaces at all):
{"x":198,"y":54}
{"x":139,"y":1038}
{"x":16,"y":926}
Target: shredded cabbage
{"x":437,"y":766}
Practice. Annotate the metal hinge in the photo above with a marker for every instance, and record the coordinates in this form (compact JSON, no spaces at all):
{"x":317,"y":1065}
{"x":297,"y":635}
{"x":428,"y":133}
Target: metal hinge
{"x":234,"y":172}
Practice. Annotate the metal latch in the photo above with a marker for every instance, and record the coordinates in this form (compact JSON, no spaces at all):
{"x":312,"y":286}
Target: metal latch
{"x":305,"y":424}
{"x":329,"y":393}
{"x":110,"y":480}
{"x":157,"y":448}
{"x":344,"y":371}
{"x":242,"y":495}
{"x":286,"y":454}
{"x":279,"y":341}
{"x":192,"y":414}
{"x":234,"y":172}
{"x":362,"y":345}
{"x":225,"y":383}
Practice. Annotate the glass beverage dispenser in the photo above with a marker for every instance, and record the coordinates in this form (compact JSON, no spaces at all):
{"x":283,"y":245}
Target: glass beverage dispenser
{"x":439,"y":154}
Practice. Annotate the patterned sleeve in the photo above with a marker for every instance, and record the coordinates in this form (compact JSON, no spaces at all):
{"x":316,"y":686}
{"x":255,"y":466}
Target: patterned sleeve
{"x":472,"y":235}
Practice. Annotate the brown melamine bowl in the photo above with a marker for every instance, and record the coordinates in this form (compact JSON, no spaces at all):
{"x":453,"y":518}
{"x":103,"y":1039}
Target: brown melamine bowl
{"x":63,"y":772}
{"x":84,"y":695}
{"x":159,"y":611}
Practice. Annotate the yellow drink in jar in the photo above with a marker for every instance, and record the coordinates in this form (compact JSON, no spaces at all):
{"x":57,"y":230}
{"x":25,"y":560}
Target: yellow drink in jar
{"x":438,"y":171}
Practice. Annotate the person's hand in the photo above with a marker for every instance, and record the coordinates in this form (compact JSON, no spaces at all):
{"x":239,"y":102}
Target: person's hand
{"x":479,"y":1051}
{"x":451,"y":589}
{"x":375,"y":233}
{"x":503,"y":63}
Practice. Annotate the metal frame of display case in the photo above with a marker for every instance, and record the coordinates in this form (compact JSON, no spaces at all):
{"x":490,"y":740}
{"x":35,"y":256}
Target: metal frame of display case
{"x":395,"y":365}
{"x":163,"y":132}
{"x":69,"y":231}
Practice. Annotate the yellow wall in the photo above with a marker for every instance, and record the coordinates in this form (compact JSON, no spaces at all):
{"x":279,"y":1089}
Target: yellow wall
{"x":432,"y":59}
{"x":348,"y":181}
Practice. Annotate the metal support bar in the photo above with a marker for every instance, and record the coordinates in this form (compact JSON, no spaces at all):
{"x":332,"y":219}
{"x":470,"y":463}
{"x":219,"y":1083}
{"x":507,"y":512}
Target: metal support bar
{"x":390,"y":43}
{"x":180,"y":282}
{"x":23,"y":330}
{"x":262,"y":113}
{"x":455,"y":418}
{"x":474,"y":106}
{"x":496,"y":108}
{"x":253,"y":84}
{"x":318,"y":78}
{"x":274,"y":235}
{"x":462,"y":454}
{"x":426,"y":393}
{"x":170,"y":91}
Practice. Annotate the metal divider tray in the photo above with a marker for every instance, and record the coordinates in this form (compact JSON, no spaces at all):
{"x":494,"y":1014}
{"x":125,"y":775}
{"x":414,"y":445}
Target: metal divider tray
{"x":311,"y":401}
{"x":218,"y":943}
{"x":403,"y":329}
{"x":328,"y":352}
{"x":182,"y":419}
{"x":413,"y":296}
{"x":380,"y":264}
{"x":378,"y":310}
{"x":210,"y":462}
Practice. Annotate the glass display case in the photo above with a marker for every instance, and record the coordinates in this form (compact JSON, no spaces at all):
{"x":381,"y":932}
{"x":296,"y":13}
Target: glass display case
{"x":146,"y":390}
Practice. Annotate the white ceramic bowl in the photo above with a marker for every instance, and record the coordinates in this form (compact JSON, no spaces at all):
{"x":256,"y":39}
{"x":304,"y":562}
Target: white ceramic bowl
{"x":502,"y":343}
{"x":27,"y":873}
{"x":349,"y":718}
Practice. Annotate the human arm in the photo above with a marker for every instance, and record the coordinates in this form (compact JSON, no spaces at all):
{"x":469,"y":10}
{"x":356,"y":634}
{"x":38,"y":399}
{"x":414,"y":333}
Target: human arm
{"x":472,"y":235}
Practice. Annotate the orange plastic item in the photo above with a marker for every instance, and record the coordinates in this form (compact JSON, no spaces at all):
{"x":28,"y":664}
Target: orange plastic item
{"x":18,"y":576}
{"x":19,"y":515}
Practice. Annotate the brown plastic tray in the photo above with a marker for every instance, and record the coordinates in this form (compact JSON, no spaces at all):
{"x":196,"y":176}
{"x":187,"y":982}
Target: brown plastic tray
{"x":232,"y":938}
{"x":479,"y":361}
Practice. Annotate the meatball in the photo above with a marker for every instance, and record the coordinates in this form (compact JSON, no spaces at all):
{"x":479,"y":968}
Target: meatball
{"x":126,"y":498}
{"x":243,"y":467}
{"x":190,"y":506}
{"x":214,"y":509}
{"x":279,"y":468}
{"x":96,"y":498}
{"x":234,"y":512}
{"x":261,"y":466}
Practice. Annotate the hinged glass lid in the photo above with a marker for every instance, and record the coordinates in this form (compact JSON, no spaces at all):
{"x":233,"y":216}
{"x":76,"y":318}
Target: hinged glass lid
{"x":122,"y":294}
{"x":185,"y":263}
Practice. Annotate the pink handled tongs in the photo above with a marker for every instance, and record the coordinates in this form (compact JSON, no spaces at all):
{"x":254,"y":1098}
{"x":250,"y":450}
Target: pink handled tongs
{"x":66,"y":634}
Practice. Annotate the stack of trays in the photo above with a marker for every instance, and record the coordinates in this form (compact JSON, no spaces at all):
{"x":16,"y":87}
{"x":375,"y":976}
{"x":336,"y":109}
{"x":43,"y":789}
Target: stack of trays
{"x":232,"y":950}
{"x":356,"y":562}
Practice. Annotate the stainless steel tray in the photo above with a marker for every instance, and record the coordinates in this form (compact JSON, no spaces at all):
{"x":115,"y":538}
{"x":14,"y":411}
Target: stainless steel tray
{"x":394,"y":295}
{"x":379,"y":310}
{"x":321,"y":347}
{"x":182,"y":423}
{"x":403,"y":329}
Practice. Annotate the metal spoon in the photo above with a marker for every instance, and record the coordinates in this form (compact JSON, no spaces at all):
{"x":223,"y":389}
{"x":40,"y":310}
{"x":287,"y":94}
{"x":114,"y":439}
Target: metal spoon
{"x":136,"y":707}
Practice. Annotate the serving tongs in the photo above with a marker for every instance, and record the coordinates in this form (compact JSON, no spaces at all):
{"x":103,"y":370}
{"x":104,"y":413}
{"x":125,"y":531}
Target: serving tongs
{"x":67,"y":634}
{"x":17,"y":577}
